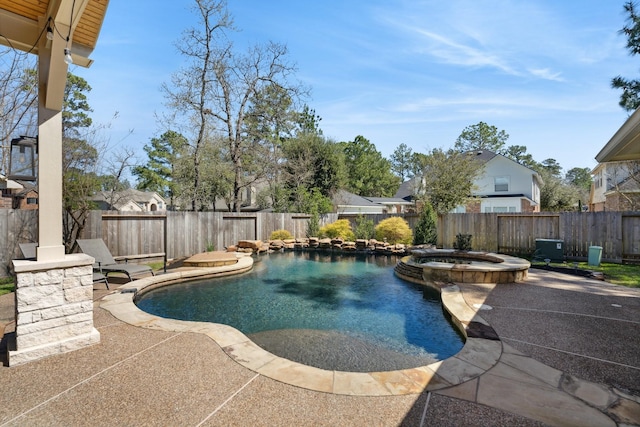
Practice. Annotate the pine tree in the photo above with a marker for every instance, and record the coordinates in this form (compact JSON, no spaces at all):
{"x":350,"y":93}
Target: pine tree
{"x":426,"y":230}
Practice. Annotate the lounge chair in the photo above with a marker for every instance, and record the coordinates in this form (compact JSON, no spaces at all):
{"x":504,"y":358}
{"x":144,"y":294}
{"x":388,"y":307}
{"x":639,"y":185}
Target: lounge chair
{"x":29,"y":252}
{"x":106,"y":264}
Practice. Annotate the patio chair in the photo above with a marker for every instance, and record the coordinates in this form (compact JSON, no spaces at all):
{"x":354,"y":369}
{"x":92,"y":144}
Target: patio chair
{"x":29,"y":252}
{"x":106,"y":264}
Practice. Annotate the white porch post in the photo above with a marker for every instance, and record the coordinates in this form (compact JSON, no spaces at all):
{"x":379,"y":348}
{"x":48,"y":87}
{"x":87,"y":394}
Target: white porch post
{"x":54,"y":293}
{"x":52,"y":73}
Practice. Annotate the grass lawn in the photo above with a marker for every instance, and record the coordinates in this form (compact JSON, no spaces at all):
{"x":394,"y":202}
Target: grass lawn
{"x":618,"y":274}
{"x":6,"y":285}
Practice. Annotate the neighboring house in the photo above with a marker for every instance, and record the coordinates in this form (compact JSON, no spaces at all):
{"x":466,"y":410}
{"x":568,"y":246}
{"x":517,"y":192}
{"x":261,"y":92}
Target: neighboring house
{"x":130,"y":200}
{"x":504,"y":186}
{"x":616,"y":186}
{"x":17,"y":194}
{"x":616,"y":179}
{"x":393,"y":205}
{"x":249,"y":198}
{"x":348,"y":203}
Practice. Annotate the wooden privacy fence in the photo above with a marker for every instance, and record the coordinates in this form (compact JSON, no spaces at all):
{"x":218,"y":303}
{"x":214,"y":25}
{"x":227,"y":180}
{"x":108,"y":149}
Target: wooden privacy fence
{"x":180,"y":234}
{"x":618,"y":233}
{"x":16,"y":226}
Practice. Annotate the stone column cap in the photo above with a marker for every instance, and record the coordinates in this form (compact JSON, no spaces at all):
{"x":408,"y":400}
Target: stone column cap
{"x":71,"y":260}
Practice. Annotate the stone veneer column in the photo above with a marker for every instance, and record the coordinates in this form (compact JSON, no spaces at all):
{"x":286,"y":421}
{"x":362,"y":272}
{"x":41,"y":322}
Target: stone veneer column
{"x":54,"y":307}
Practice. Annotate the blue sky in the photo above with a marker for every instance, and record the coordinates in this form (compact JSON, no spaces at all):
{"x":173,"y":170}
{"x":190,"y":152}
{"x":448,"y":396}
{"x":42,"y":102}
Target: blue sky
{"x":397,"y":71}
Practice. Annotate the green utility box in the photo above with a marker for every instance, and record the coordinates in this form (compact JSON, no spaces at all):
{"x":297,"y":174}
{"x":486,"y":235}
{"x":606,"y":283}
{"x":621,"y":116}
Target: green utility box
{"x":550,"y":249}
{"x":595,"y":255}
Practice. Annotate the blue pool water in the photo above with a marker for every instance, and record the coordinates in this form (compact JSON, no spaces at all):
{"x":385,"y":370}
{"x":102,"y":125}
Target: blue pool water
{"x":330,"y":311}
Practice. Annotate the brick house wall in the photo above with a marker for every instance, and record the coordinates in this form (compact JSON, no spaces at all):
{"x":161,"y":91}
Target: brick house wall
{"x":526,"y":206}
{"x":6,"y":201}
{"x":618,"y":202}
{"x":12,"y":199}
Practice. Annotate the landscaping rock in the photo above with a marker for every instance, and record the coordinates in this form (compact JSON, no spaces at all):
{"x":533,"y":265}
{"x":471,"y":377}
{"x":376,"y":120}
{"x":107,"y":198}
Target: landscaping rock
{"x":255,"y":245}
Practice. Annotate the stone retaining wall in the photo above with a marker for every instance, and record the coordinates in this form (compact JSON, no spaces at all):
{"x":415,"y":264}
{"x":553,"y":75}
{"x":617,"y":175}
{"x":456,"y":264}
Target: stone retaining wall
{"x":327,"y":244}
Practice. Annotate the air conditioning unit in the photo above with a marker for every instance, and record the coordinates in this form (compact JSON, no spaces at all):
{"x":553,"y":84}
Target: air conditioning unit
{"x":550,"y":249}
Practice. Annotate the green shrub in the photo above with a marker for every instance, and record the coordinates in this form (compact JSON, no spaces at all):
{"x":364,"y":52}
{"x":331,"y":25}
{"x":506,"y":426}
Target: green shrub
{"x":394,"y":230}
{"x":365,"y":228}
{"x":426,"y":231}
{"x":313,"y":225}
{"x":340,"y":228}
{"x":463,"y":242}
{"x":280,"y":235}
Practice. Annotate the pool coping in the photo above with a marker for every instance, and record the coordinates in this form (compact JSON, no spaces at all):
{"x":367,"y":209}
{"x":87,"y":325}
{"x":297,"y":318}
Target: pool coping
{"x":481,"y":351}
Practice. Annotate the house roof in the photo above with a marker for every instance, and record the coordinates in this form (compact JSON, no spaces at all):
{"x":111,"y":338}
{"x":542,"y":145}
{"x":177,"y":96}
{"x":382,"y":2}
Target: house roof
{"x":625,"y":143}
{"x":22,"y":22}
{"x":406,"y":190}
{"x":9,"y":183}
{"x":121,"y":198}
{"x":389,"y":200}
{"x":483,"y":155}
{"x":345,"y":198}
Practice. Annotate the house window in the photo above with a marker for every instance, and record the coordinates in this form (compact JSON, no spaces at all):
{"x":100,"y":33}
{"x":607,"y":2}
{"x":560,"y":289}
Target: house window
{"x":32,"y":200}
{"x":501,"y":183}
{"x":6,"y":192}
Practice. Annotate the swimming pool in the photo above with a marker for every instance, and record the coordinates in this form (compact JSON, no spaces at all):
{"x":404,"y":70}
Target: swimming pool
{"x":333,"y":312}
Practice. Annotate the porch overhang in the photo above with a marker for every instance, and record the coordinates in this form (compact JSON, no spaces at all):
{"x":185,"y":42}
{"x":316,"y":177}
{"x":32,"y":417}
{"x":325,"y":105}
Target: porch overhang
{"x":625,"y":143}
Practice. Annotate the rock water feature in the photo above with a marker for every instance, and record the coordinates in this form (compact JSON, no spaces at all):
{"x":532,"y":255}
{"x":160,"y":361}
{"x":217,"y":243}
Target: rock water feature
{"x":359,"y":246}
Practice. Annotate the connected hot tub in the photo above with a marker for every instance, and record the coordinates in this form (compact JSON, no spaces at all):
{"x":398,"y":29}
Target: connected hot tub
{"x":448,"y":265}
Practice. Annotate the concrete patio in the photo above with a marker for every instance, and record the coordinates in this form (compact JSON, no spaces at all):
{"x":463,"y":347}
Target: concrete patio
{"x":569,"y":357}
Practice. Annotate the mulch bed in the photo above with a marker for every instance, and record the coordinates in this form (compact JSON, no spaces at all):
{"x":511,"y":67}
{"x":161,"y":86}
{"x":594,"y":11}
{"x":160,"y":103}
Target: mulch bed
{"x":573,"y":271}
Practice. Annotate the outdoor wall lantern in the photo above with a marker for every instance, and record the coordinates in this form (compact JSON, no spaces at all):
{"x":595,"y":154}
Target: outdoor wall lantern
{"x":22,"y":162}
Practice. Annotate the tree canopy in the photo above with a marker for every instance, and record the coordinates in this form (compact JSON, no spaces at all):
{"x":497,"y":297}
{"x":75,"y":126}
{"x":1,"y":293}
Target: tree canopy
{"x":241,"y":100}
{"x":481,"y":136}
{"x":80,"y":179}
{"x":580,"y":177}
{"x":448,"y":179}
{"x":630,"y":96}
{"x":313,"y":170}
{"x":518,"y":153}
{"x":158,"y":173}
{"x":402,"y":161}
{"x":369,"y":173}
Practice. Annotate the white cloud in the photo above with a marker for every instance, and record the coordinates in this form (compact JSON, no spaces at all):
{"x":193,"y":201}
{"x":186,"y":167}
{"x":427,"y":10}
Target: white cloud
{"x":546,"y":74}
{"x":452,"y":52}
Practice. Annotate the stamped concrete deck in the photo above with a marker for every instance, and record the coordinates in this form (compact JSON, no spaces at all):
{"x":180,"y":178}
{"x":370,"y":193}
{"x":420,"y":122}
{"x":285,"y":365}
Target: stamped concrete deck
{"x":568,"y":355}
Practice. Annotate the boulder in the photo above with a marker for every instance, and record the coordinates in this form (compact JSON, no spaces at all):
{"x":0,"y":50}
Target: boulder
{"x":250,"y":244}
